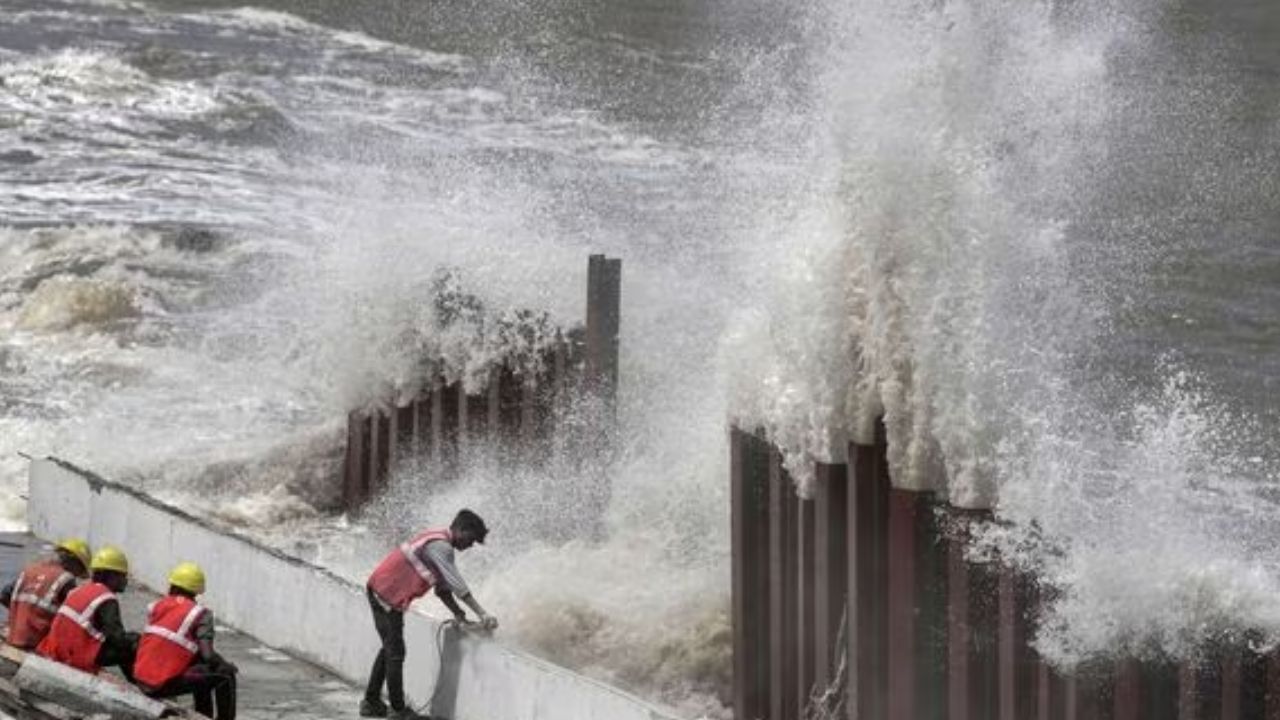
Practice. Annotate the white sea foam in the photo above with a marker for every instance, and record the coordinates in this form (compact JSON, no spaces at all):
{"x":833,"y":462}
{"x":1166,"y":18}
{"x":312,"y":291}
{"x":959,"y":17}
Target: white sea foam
{"x":88,"y":81}
{"x":261,"y":19}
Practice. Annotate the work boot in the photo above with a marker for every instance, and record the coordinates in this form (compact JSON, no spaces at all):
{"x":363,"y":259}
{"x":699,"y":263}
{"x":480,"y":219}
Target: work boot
{"x":373,"y":708}
{"x":407,"y":714}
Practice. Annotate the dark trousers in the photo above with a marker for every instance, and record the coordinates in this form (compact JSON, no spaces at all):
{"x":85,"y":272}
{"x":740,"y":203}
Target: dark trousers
{"x":119,"y":654}
{"x":388,"y":667}
{"x":209,"y":687}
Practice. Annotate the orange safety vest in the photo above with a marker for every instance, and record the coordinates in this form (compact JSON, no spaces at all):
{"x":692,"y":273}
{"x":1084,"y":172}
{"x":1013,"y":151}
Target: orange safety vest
{"x":402,"y":577}
{"x":168,"y":643}
{"x":73,"y":640}
{"x":35,"y":601}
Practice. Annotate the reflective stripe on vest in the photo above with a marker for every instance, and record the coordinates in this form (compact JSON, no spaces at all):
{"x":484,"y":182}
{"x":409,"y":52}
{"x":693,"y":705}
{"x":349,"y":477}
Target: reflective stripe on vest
{"x":403,"y":576}
{"x":73,"y":640}
{"x":410,"y":551}
{"x":181,"y":636}
{"x":46,"y":602}
{"x":168,"y":643}
{"x":84,"y":618}
{"x":34,"y":602}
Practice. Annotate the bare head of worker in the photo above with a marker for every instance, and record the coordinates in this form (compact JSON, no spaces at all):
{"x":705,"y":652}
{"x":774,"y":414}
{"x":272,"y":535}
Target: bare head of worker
{"x":467,"y":529}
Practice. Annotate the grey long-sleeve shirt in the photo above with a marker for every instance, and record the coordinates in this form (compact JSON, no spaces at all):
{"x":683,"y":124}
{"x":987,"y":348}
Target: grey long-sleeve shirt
{"x":438,"y":555}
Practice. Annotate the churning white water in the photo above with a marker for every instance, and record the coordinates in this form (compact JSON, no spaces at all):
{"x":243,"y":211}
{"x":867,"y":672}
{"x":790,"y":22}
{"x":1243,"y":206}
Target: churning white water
{"x":999,"y":184}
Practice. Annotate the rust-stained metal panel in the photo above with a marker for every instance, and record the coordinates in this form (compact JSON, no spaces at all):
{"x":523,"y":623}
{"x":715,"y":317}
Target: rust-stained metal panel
{"x":830,"y":567}
{"x":511,"y":410}
{"x":452,"y":415}
{"x":528,"y":409}
{"x":1051,"y":693}
{"x":1019,"y":666}
{"x":749,"y":491}
{"x":604,"y":308}
{"x":356,"y":462}
{"x":401,"y":434}
{"x":1093,"y":693}
{"x":474,"y":419}
{"x":493,"y":406}
{"x":1231,"y":674}
{"x":972,"y":627}
{"x":1271,"y":696}
{"x":1128,"y":691}
{"x":381,"y":457}
{"x":1188,"y":691}
{"x":783,"y":582}
{"x":437,"y":418}
{"x":805,"y":604}
{"x":916,"y":608}
{"x":868,"y":500}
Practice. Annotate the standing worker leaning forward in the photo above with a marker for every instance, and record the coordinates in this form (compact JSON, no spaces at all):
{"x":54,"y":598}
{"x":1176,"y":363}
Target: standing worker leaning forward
{"x":176,"y":655}
{"x":87,"y":633}
{"x":407,"y":573}
{"x":40,"y":589}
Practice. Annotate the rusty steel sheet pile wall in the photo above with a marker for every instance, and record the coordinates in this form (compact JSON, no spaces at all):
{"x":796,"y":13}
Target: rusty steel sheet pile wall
{"x":517,"y":409}
{"x":866,"y":602}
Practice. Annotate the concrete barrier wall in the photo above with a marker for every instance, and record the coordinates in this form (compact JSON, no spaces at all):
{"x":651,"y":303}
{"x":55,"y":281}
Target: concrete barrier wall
{"x":311,"y":613}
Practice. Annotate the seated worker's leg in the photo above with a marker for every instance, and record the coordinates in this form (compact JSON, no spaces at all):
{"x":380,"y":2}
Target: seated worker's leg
{"x":120,"y":655}
{"x":208,"y":687}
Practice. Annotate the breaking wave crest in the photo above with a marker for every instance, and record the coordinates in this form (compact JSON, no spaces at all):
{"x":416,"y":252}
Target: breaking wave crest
{"x":84,"y":81}
{"x":953,"y":281}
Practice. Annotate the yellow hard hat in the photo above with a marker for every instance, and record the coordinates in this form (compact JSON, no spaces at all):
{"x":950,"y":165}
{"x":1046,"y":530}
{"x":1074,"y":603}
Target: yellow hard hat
{"x":77,"y":547}
{"x":110,"y":558}
{"x":188,"y":576}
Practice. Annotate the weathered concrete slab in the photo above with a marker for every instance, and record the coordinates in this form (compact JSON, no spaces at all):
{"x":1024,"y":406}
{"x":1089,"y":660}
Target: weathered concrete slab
{"x":84,"y":693}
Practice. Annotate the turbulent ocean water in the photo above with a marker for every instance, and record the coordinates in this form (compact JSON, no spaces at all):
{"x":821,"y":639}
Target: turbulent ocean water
{"x":1040,"y":238}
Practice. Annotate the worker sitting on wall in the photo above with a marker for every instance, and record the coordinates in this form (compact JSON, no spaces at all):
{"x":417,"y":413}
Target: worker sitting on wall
{"x":176,"y":655}
{"x":87,"y":633}
{"x":407,"y":573}
{"x":40,"y":589}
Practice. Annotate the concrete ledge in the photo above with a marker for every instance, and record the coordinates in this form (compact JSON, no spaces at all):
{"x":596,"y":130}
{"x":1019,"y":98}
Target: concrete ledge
{"x":311,"y":613}
{"x":85,"y":693}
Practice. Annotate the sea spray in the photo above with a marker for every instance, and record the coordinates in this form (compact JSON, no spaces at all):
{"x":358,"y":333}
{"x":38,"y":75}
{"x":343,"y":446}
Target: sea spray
{"x":973,"y":144}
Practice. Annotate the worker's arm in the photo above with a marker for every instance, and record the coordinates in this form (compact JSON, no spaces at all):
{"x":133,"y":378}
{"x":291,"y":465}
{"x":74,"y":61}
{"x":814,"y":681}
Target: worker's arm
{"x":488,"y":621}
{"x":6,"y":592}
{"x":439,"y":555}
{"x":446,"y":597}
{"x":107,"y":621}
{"x":64,"y":592}
{"x":204,"y":641}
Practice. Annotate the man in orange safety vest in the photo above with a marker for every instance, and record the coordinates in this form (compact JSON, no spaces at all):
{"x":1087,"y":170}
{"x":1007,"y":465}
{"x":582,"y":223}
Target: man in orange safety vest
{"x":407,"y":573}
{"x":40,"y":589}
{"x":87,"y":633}
{"x":176,"y":655}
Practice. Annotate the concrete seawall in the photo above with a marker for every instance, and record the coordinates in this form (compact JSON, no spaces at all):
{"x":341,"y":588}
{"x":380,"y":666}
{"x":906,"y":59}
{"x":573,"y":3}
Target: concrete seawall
{"x":311,"y":613}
